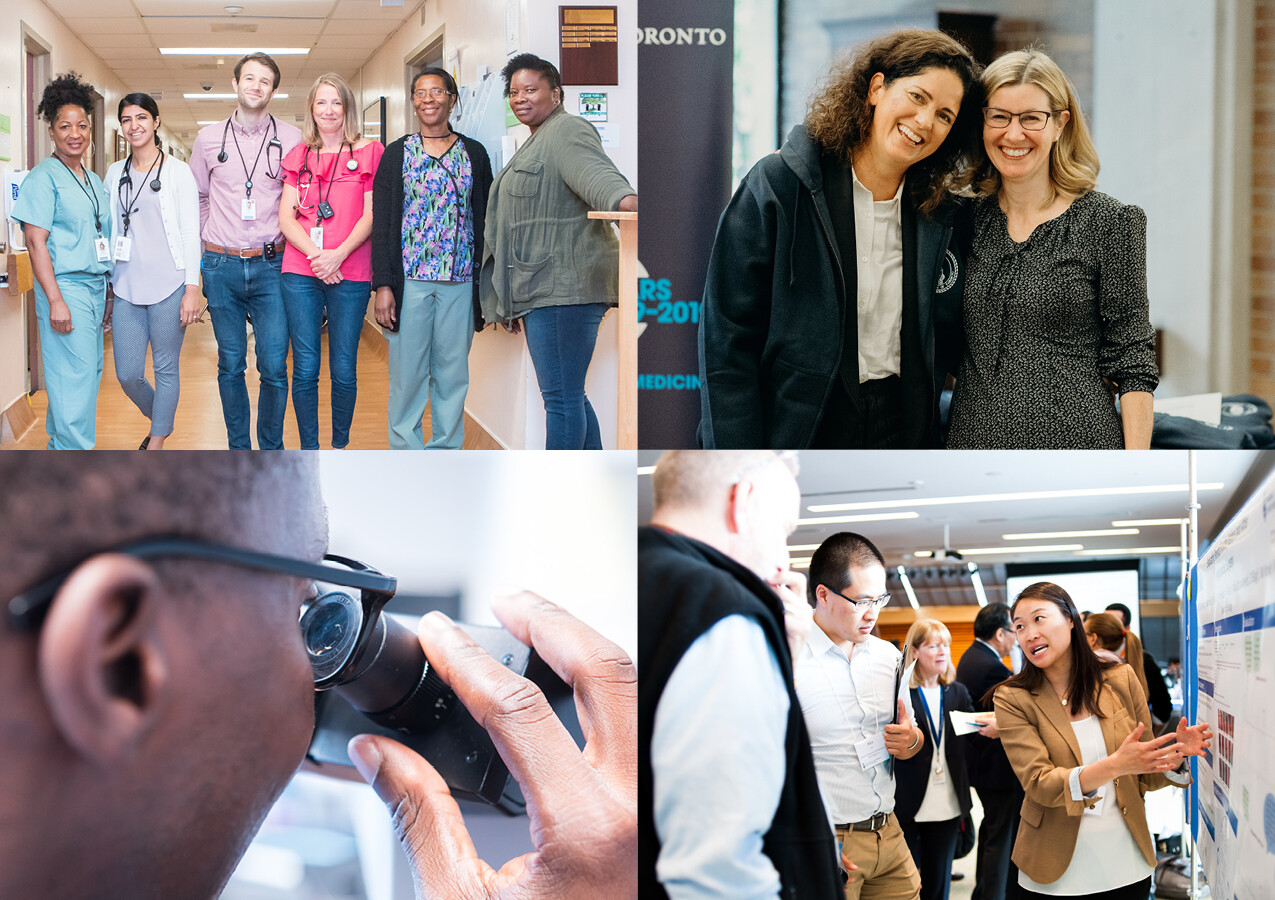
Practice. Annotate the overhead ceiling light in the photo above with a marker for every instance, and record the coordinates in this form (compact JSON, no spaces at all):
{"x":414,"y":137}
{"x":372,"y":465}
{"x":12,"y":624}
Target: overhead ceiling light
{"x":645,"y":470}
{"x":907,"y":587}
{"x":795,"y":548}
{"x":202,"y":96}
{"x":1036,"y":548}
{"x":234,"y":10}
{"x":977,"y":580}
{"x":871,"y":517}
{"x":1146,"y":523}
{"x":210,"y":122}
{"x":1097,"y":532}
{"x":802,"y":562}
{"x":1019,"y":495}
{"x":1129,"y":551}
{"x":923,"y":554}
{"x":232,"y":51}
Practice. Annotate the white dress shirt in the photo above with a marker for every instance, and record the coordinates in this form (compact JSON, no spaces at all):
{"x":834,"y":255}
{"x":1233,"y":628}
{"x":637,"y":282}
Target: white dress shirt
{"x":878,"y":248}
{"x":717,"y":758}
{"x":845,"y":702}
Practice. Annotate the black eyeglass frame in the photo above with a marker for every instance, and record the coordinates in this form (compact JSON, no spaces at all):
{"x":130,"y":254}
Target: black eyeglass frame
{"x":878,"y":602}
{"x":27,"y":609}
{"x":1048,"y":114}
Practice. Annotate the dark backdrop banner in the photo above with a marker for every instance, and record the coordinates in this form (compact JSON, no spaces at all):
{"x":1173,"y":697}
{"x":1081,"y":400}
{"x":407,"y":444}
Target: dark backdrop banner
{"x":685,"y":111}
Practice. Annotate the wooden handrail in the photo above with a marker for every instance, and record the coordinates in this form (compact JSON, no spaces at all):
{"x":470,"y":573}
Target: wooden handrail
{"x":626,"y":400}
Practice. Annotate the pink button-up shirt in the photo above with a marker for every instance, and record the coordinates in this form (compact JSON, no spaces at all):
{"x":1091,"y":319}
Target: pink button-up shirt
{"x":222,"y":184}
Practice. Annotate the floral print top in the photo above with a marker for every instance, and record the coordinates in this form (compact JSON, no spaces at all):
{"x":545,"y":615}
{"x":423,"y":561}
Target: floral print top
{"x":438,"y":225}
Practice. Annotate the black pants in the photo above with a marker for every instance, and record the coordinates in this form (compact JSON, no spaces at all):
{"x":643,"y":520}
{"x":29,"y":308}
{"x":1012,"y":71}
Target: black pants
{"x":933,"y":844}
{"x":879,"y":424}
{"x":995,"y":873}
{"x":1139,"y":890}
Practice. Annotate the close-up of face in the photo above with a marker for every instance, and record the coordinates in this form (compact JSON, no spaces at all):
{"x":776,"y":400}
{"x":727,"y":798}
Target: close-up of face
{"x":839,"y":617}
{"x":933,"y":656}
{"x":138,"y":127}
{"x":1020,"y":154}
{"x":531,"y":98}
{"x":432,"y":102}
{"x":71,"y":131}
{"x":328,"y":110}
{"x":255,"y":85}
{"x":913,"y":114}
{"x":1043,"y":631}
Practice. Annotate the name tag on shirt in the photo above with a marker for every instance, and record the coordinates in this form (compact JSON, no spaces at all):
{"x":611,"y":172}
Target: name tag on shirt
{"x":316,"y":235}
{"x":248,"y":209}
{"x":123,"y":248}
{"x":103,"y":249}
{"x":871,"y":751}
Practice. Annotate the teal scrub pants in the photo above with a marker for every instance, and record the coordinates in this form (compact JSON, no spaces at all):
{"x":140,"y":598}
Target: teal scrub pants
{"x":73,"y":362}
{"x":429,"y":363}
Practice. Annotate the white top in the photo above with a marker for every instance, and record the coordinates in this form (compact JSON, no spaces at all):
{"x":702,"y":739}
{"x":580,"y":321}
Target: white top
{"x":939,"y":803}
{"x":1106,"y":856}
{"x":878,"y":247}
{"x":178,"y":207}
{"x":846,"y":702}
{"x":717,"y":758}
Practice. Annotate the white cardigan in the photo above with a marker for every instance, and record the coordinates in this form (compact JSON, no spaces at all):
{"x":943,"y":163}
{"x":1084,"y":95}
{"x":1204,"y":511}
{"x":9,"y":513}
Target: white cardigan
{"x":178,"y":208}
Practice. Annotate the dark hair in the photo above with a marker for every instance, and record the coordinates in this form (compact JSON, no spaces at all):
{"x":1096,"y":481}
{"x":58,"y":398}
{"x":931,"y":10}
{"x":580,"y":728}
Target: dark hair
{"x":65,"y":90}
{"x":990,"y":619}
{"x":1125,"y":615}
{"x":1086,"y":667}
{"x":448,"y":82}
{"x":831,"y":563}
{"x":146,"y":102}
{"x":840,"y":117}
{"x":547,"y":70}
{"x":264,"y":59}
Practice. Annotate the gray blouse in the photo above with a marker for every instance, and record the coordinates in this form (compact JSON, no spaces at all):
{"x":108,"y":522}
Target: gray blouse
{"x":1046,"y":321}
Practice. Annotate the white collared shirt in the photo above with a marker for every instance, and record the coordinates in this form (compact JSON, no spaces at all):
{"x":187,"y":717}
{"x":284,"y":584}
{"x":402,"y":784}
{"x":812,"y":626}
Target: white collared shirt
{"x":844,"y":702}
{"x":878,"y":248}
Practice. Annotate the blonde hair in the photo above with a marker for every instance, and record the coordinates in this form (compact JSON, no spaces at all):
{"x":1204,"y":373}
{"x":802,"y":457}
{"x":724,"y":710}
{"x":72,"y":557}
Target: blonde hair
{"x":1073,"y":160}
{"x":349,"y":109}
{"x":920,"y":632}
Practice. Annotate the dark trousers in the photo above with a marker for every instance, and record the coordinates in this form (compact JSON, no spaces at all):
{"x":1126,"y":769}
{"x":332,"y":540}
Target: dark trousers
{"x":996,"y":875}
{"x":1139,"y":890}
{"x":933,"y":844}
{"x":879,"y":424}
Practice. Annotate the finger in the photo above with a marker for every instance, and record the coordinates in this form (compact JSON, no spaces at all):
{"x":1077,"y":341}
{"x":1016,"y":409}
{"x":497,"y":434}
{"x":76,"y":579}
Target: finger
{"x":426,"y":818}
{"x":600,"y":673}
{"x":540,"y":754}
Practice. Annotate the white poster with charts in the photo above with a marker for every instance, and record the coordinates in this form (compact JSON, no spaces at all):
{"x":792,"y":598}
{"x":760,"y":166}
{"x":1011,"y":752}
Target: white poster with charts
{"x":1236,"y":669}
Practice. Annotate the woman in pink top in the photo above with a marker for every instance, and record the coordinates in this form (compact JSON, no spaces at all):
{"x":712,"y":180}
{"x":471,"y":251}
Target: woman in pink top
{"x":326,"y":215}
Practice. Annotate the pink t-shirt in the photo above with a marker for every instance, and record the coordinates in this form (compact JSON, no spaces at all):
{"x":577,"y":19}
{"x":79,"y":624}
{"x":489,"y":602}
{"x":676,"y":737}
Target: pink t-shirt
{"x":330,"y":178}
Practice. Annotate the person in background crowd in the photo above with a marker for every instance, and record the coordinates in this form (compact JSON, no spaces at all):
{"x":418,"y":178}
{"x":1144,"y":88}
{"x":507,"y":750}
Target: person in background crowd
{"x":429,"y":208}
{"x":546,"y":265}
{"x":66,"y":220}
{"x":155,"y":285}
{"x":1152,"y":680}
{"x":237,"y":164}
{"x":326,"y":215}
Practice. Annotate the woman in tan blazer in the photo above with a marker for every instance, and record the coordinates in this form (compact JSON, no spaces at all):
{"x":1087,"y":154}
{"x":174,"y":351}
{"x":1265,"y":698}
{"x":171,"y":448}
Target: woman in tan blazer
{"x":1072,"y":725}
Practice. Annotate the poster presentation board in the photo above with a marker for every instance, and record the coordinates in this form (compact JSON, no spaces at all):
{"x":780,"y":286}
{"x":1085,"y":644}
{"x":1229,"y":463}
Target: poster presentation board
{"x":1235,"y":669}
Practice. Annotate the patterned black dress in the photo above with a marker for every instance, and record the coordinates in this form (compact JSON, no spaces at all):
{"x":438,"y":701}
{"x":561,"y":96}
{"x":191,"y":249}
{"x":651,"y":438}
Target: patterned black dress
{"x":1046,"y":321}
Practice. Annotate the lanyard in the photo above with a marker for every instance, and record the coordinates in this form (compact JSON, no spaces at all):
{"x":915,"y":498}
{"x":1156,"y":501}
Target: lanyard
{"x":248,"y":175}
{"x":92,"y":195}
{"x":935,"y":726}
{"x":127,"y":182}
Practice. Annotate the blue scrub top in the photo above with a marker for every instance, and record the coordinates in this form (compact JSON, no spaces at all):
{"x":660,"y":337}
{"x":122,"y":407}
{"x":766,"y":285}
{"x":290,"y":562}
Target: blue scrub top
{"x":51,"y":197}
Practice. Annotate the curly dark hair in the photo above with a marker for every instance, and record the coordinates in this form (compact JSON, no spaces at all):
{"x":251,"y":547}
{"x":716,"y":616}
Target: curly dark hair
{"x":840,"y":117}
{"x":530,"y":61}
{"x":65,"y":90}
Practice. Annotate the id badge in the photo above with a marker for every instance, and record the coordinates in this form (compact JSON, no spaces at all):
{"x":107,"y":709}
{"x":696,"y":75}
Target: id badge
{"x":248,"y":209}
{"x":103,"y":249}
{"x":871,"y":751}
{"x":123,"y":248}
{"x":316,"y":235}
{"x":938,"y":776}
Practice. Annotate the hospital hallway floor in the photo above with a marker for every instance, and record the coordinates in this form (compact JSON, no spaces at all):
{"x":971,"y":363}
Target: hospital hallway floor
{"x":199,"y":424}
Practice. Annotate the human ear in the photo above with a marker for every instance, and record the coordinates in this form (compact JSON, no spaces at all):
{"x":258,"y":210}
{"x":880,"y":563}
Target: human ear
{"x":103,"y":664}
{"x":875,"y":88}
{"x":737,"y":506}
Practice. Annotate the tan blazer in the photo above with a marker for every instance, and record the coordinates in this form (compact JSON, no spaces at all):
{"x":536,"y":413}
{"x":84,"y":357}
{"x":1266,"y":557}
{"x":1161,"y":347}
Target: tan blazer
{"x":1037,"y":736}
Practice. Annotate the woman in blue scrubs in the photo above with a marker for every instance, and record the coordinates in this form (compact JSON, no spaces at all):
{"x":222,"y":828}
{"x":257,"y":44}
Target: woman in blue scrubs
{"x":66,"y":218}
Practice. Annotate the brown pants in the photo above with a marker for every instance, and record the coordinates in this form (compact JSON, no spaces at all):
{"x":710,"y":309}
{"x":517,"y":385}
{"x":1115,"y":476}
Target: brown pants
{"x":886,"y":870}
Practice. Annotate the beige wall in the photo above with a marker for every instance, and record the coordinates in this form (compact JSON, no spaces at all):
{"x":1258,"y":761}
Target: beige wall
{"x":1262,"y":349}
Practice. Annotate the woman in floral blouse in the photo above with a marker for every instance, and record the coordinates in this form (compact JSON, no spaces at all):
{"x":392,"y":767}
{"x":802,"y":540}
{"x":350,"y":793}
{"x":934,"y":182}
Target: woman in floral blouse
{"x":429,"y":202}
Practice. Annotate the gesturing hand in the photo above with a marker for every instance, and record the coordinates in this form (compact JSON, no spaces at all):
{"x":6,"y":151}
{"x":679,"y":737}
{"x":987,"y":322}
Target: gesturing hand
{"x":1194,"y":739}
{"x":798,"y":616}
{"x":1138,"y":757}
{"x":582,"y":805}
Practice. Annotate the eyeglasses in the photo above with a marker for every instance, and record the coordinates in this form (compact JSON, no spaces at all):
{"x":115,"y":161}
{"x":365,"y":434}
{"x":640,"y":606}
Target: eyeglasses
{"x":426,"y":93}
{"x":1031,"y":120}
{"x":862,"y":605}
{"x":335,"y":626}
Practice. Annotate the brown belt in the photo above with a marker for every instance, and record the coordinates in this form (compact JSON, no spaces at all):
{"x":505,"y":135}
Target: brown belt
{"x":242,"y":254}
{"x":875,"y":823}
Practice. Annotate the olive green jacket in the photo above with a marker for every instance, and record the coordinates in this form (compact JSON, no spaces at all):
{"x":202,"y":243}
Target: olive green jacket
{"x":540,"y":247}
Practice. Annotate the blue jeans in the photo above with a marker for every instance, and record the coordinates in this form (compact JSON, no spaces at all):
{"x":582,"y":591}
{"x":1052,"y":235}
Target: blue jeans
{"x":560,"y":340}
{"x":159,"y":325}
{"x":304,"y":300}
{"x":235,"y":289}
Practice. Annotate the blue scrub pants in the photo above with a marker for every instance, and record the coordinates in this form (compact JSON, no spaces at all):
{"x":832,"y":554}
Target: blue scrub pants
{"x":72,"y":362}
{"x":429,"y":364}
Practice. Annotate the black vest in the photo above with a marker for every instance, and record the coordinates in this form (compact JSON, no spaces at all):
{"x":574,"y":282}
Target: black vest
{"x":684,"y":588}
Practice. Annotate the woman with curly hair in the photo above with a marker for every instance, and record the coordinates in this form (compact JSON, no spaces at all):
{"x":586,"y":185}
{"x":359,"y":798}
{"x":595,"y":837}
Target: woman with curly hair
{"x":1056,"y":314}
{"x":836,"y":270}
{"x":66,"y":219}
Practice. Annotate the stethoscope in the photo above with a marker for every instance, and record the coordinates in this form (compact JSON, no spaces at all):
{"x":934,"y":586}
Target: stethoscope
{"x":274,"y":142}
{"x":324,"y":210}
{"x":126,"y":181}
